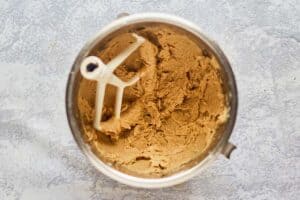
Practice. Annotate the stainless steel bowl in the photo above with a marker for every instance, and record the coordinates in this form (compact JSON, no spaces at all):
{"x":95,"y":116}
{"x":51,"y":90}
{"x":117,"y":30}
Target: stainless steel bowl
{"x":222,"y":147}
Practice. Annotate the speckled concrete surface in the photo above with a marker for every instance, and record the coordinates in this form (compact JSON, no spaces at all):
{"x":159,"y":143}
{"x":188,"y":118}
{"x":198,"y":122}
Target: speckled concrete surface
{"x":38,"y":43}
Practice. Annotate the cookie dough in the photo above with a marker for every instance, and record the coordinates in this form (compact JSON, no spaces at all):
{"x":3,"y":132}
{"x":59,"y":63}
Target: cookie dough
{"x":169,"y":117}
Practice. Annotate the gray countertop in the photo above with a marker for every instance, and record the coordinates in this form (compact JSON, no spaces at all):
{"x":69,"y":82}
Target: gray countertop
{"x":38,"y":43}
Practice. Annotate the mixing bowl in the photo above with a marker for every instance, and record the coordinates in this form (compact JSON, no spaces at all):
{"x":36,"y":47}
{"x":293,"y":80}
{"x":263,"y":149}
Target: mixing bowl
{"x":128,"y":22}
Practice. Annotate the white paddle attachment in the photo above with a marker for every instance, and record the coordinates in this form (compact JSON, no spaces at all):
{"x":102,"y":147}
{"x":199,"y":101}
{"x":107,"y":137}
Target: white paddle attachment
{"x":92,"y":68}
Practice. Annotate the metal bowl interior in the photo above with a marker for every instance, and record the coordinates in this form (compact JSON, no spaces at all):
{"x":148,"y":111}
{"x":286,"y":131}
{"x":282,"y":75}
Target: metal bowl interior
{"x":130,"y":22}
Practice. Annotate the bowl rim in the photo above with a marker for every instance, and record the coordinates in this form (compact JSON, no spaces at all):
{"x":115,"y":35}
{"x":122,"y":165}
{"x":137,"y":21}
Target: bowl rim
{"x":178,"y":177}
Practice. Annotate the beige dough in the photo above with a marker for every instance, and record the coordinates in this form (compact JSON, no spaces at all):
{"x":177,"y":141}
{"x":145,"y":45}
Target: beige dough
{"x":170,"y":117}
